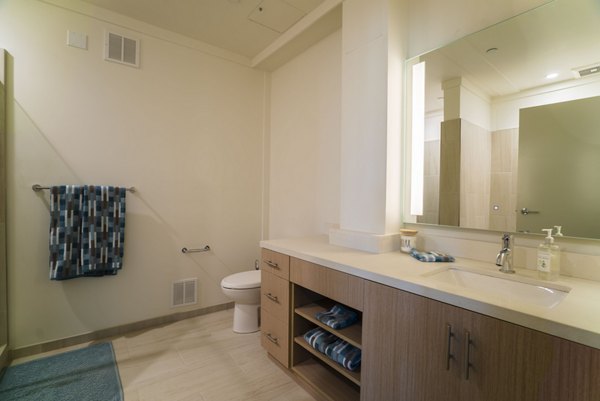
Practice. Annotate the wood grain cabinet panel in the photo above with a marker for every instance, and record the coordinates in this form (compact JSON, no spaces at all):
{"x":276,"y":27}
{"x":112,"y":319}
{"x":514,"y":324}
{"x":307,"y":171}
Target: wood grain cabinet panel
{"x":418,"y":349}
{"x":333,"y":284}
{"x":275,"y":338}
{"x":276,"y":263}
{"x":275,"y":296}
{"x":275,"y":305}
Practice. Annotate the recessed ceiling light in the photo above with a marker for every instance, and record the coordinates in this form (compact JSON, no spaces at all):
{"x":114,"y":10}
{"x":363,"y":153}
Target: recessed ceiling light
{"x":552,"y":75}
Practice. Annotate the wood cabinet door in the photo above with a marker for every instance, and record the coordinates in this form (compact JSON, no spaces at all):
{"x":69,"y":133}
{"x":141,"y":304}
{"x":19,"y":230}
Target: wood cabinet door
{"x":515,"y":363}
{"x":443,"y":350}
{"x":399,"y":350}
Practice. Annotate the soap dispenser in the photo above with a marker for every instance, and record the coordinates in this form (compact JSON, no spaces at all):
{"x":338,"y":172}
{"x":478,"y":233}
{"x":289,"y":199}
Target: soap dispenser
{"x":548,"y":257}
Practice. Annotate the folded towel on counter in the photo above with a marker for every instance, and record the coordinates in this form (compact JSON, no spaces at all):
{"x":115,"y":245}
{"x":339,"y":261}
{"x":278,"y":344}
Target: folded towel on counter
{"x":431,"y":256}
{"x":335,"y":348}
{"x":338,"y":317}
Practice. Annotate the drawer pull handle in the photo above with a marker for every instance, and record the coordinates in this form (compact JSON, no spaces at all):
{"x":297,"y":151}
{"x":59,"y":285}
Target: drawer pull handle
{"x":272,"y":264}
{"x":272,"y":297}
{"x":468,"y":364}
{"x":274,"y":340}
{"x":449,"y":355}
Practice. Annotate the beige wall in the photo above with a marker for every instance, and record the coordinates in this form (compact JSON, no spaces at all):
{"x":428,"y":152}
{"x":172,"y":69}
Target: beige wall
{"x":431,"y":183}
{"x":185,"y":129}
{"x":304,"y":163}
{"x":503,"y":188}
{"x":475,"y":161}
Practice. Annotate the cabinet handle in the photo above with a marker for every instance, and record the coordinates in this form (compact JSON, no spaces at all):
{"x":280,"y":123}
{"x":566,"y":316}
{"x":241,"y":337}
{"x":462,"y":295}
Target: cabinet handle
{"x":468,"y":343}
{"x":272,"y":297}
{"x":274,"y":340}
{"x":449,"y":336}
{"x":272,"y":264}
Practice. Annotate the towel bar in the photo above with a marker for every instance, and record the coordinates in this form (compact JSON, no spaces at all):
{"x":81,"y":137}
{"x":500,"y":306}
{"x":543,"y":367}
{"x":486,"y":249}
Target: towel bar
{"x":205,"y":249}
{"x":38,"y":187}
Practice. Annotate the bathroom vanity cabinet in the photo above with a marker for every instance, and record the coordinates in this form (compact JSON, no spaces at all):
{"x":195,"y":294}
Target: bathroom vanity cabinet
{"x":415,"y":348}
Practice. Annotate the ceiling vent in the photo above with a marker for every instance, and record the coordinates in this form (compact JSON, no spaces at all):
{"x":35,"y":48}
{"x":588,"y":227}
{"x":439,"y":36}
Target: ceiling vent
{"x":585,"y":71}
{"x":122,"y":50}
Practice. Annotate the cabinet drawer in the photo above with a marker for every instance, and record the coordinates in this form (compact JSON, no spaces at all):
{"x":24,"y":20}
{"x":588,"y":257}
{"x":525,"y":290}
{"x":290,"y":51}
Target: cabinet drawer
{"x":276,"y":263}
{"x":275,"y":295}
{"x":275,"y":337}
{"x":340,"y":287}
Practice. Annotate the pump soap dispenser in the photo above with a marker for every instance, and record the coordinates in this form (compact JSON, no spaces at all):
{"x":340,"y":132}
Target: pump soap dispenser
{"x":548,"y":258}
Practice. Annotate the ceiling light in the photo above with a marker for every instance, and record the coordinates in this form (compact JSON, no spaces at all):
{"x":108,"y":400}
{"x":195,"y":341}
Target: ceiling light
{"x":552,"y":75}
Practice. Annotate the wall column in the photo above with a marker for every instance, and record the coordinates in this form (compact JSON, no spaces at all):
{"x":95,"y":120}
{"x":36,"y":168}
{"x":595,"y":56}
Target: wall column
{"x":374,"y":49}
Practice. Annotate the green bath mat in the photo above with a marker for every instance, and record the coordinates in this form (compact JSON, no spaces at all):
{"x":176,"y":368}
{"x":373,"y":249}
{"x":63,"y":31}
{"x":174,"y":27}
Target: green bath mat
{"x":87,"y":374}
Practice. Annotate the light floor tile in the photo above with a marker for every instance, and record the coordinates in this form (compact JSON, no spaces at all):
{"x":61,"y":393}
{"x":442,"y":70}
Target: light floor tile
{"x":198,"y":359}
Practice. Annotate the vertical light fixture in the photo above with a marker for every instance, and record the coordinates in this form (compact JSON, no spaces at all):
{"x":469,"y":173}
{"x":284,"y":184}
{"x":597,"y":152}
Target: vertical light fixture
{"x":418,"y":139}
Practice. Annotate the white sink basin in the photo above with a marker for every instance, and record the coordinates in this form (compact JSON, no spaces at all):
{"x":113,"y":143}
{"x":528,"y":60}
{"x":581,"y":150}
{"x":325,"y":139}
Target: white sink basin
{"x":509,"y":288}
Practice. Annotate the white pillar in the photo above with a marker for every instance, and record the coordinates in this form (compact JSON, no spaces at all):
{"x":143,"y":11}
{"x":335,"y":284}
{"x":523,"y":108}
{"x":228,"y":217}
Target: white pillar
{"x":374,"y":50}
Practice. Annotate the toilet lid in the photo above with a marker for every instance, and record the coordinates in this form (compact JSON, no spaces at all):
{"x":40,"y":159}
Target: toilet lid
{"x":243,"y":280}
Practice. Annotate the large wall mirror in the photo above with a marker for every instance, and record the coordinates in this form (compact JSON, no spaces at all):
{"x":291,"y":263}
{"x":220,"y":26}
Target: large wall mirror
{"x":504,"y":125}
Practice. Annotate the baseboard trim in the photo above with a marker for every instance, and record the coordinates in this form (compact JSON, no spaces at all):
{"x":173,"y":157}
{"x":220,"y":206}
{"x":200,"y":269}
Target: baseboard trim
{"x":112,"y":331}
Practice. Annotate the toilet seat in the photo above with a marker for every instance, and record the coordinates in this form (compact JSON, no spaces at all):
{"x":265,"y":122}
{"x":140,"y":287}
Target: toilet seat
{"x":242,"y":281}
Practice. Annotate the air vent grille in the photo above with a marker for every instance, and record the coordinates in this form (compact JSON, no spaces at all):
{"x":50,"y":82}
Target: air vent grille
{"x":585,"y":71}
{"x":184,"y":292}
{"x":121,"y":49}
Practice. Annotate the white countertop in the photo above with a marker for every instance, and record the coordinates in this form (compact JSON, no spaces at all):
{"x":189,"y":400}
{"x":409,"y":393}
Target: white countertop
{"x":576,"y":318}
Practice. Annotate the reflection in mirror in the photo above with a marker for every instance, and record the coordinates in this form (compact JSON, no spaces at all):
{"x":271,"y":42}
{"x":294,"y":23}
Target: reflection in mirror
{"x":482,"y":96}
{"x":559,"y":167}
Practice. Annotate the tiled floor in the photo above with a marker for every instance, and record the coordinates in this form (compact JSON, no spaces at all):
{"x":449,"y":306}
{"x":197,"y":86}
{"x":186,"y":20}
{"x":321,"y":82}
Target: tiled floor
{"x":199,"y":359}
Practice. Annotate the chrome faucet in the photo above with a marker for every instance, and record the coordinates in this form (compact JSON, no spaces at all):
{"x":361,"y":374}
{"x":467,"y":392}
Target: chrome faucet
{"x":504,"y":258}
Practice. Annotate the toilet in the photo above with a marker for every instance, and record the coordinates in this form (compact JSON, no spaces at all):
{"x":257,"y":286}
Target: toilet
{"x":244,"y":289}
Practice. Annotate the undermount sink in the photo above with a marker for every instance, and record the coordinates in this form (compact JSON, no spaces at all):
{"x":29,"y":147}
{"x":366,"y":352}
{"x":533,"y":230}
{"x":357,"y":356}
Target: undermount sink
{"x":500,"y":285}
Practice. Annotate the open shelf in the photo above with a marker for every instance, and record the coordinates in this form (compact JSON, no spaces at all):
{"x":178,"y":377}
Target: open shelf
{"x":332,"y":380}
{"x":351,"y":334}
{"x":354,"y":377}
{"x":326,"y":381}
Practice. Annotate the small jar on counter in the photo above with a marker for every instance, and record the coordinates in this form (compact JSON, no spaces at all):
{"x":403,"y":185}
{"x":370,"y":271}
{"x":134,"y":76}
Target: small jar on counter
{"x":408,"y":240}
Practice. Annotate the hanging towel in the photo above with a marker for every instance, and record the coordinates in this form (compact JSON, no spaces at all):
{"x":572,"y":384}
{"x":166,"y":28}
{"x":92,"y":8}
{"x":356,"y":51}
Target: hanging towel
{"x":335,"y":348}
{"x":87,"y":230}
{"x":431,"y":256}
{"x":338,"y":317}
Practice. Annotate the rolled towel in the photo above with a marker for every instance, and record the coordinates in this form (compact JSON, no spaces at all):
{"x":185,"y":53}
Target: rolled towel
{"x":337,"y":317}
{"x":319,"y":339}
{"x":335,"y":348}
{"x":345,"y":354}
{"x":431,"y":256}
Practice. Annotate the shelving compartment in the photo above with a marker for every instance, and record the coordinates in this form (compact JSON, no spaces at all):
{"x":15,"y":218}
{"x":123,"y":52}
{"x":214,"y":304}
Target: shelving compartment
{"x":331,"y":379}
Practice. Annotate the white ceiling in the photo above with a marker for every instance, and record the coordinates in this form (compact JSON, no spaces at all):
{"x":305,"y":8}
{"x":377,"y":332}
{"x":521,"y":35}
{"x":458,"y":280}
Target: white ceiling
{"x":557,"y":37}
{"x":244,"y":27}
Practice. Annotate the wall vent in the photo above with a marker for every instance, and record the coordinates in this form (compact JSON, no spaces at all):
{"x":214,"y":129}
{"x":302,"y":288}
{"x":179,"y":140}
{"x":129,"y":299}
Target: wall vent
{"x":184,"y":292}
{"x":585,"y":71}
{"x":120,"y":49}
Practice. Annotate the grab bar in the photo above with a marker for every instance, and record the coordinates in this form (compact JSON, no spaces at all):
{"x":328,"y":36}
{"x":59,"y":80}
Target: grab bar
{"x":38,"y":188}
{"x":205,"y":249}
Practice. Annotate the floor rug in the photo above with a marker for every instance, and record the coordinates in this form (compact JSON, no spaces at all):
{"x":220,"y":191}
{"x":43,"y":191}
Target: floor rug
{"x":87,"y":374}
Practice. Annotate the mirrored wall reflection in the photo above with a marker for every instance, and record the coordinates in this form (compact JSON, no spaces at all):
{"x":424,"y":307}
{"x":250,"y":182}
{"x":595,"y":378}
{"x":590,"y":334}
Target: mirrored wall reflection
{"x":476,"y":93}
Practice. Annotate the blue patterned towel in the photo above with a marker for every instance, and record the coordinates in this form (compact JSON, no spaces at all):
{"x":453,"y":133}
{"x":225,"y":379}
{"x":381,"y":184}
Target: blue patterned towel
{"x":337,"y":317}
{"x":87,"y":230}
{"x":431,"y":256}
{"x":335,"y":348}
